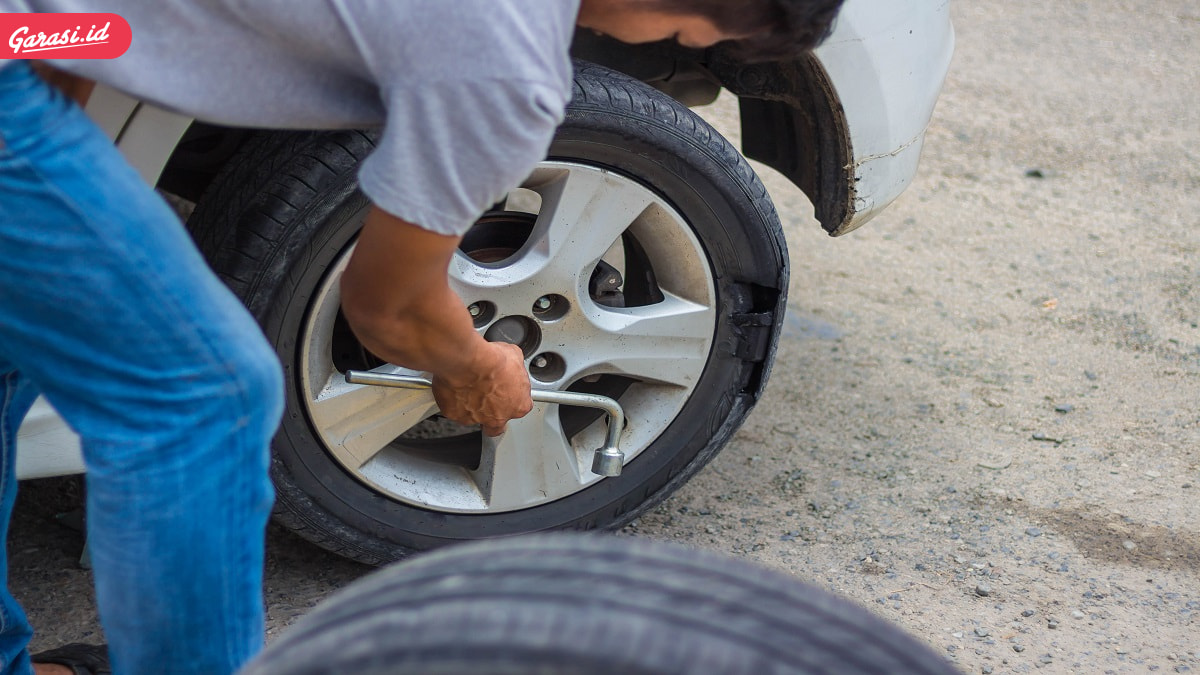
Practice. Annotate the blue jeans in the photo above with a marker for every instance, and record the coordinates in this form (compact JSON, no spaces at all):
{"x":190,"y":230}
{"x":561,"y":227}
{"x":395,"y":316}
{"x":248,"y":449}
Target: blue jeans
{"x":108,"y":310}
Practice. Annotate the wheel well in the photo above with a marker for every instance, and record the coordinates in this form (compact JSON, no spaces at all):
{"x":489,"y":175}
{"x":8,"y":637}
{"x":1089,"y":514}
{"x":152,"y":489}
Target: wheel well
{"x":791,"y":118}
{"x":198,"y":157}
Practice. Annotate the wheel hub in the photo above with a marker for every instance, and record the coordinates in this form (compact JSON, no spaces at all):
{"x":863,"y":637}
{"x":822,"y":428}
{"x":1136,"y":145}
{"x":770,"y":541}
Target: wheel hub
{"x":515,"y":330}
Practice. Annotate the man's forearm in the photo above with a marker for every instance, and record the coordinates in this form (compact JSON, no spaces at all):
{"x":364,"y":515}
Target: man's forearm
{"x":397,"y":300}
{"x":435,"y":335}
{"x":76,"y":88}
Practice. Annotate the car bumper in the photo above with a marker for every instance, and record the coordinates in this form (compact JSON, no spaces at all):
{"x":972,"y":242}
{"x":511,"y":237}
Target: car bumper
{"x":886,"y":62}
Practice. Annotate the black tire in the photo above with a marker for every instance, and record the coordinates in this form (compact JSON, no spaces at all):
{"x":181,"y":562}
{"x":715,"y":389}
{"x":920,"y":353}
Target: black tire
{"x":589,"y":605}
{"x":288,"y":206}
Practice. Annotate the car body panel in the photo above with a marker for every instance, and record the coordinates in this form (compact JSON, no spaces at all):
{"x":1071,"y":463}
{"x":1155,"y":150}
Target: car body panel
{"x":46,"y":446}
{"x":907,"y":47}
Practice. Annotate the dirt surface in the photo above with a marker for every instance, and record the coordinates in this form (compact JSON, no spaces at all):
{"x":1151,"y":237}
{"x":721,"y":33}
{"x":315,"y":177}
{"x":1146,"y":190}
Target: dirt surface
{"x":984,"y":421}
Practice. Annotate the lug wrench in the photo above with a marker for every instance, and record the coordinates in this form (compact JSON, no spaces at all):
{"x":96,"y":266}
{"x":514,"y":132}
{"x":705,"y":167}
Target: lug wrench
{"x":607,"y":461}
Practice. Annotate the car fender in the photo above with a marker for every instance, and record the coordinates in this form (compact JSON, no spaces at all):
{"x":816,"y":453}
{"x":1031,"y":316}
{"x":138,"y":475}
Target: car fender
{"x":908,"y":47}
{"x":847,"y":123}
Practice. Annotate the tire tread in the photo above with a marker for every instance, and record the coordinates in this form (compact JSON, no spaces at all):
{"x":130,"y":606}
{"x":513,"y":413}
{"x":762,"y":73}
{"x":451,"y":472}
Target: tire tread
{"x":595,"y":604}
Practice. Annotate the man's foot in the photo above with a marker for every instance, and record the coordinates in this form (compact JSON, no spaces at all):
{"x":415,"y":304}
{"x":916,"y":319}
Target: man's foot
{"x":73,"y":659}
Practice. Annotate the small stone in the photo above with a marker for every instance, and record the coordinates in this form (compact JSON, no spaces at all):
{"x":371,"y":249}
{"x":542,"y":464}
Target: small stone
{"x":982,"y":632}
{"x":986,"y":670}
{"x":1052,"y":624}
{"x":983,"y":590}
{"x":1064,"y":408}
{"x":1035,"y":173}
{"x":1129,"y":545}
{"x":1046,"y":659}
{"x":1018,"y":648}
{"x":1076,"y":614}
{"x":1033,"y":531}
{"x":1028,"y":613}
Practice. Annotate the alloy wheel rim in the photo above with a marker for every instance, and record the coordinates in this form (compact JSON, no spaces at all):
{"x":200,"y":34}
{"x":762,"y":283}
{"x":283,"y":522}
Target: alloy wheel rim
{"x":586,"y":223}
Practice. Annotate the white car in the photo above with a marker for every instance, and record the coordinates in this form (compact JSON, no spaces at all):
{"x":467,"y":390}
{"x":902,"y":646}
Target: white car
{"x":643,"y":260}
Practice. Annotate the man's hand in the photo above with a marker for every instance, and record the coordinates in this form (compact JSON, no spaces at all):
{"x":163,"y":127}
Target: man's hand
{"x":494,"y":392}
{"x":398,"y":303}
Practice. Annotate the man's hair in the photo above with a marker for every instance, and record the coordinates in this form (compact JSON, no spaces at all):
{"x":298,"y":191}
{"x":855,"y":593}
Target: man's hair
{"x":781,"y":29}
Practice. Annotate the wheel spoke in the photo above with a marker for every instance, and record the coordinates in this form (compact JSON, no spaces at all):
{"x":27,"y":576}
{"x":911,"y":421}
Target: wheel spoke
{"x":360,"y":420}
{"x":583,"y":213}
{"x":529,"y":462}
{"x":472,"y":281}
{"x":665,"y":343}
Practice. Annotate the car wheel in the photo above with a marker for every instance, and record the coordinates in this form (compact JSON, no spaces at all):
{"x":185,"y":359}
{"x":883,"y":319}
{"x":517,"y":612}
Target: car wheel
{"x":641,"y":260}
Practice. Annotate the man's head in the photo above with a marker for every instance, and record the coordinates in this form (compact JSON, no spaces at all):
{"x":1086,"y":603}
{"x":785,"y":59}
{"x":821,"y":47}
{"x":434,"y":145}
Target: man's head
{"x":759,"y":29}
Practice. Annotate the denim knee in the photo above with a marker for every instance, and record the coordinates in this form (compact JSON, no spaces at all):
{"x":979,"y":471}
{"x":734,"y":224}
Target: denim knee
{"x":222,"y":412}
{"x":259,"y":378}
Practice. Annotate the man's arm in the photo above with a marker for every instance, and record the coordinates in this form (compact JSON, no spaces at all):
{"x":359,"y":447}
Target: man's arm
{"x":79,"y":89}
{"x":397,"y":300}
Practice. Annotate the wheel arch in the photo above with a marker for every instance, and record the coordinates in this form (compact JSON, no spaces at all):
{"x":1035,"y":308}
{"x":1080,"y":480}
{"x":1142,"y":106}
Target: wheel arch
{"x":791,"y":117}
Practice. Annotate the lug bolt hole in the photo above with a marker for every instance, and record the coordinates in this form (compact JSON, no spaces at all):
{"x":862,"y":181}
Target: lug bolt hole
{"x":482,"y":313}
{"x":547,"y":367}
{"x":550,"y":307}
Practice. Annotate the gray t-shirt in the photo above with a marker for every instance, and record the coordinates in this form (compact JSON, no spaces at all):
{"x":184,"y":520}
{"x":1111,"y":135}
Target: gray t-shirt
{"x":469,"y":92}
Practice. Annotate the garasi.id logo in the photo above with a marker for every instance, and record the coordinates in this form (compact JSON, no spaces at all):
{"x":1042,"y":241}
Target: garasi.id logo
{"x":64,"y":36}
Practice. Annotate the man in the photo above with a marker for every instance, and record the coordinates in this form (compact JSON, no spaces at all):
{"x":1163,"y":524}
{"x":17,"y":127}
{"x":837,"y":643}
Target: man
{"x":108,"y":310}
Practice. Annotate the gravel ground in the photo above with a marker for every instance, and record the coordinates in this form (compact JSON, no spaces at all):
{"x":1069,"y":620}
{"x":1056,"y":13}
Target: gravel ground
{"x":983,"y":421}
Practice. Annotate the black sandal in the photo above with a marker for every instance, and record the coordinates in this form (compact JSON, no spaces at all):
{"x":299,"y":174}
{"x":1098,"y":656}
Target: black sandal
{"x":80,"y":658}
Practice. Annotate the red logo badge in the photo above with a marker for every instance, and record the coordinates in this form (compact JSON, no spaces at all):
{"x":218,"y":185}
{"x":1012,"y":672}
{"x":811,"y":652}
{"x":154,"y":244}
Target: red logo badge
{"x":64,"y":36}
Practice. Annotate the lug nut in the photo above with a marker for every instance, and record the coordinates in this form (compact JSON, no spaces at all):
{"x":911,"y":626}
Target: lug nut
{"x":540,"y":362}
{"x":543,"y":303}
{"x":475,"y":309}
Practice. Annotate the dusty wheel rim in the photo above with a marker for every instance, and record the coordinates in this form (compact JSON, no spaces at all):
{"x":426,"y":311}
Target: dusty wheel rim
{"x":586,"y":218}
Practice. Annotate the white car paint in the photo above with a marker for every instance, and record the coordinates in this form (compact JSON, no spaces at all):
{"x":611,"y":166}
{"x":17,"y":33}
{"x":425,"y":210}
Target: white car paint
{"x":886,"y":61}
